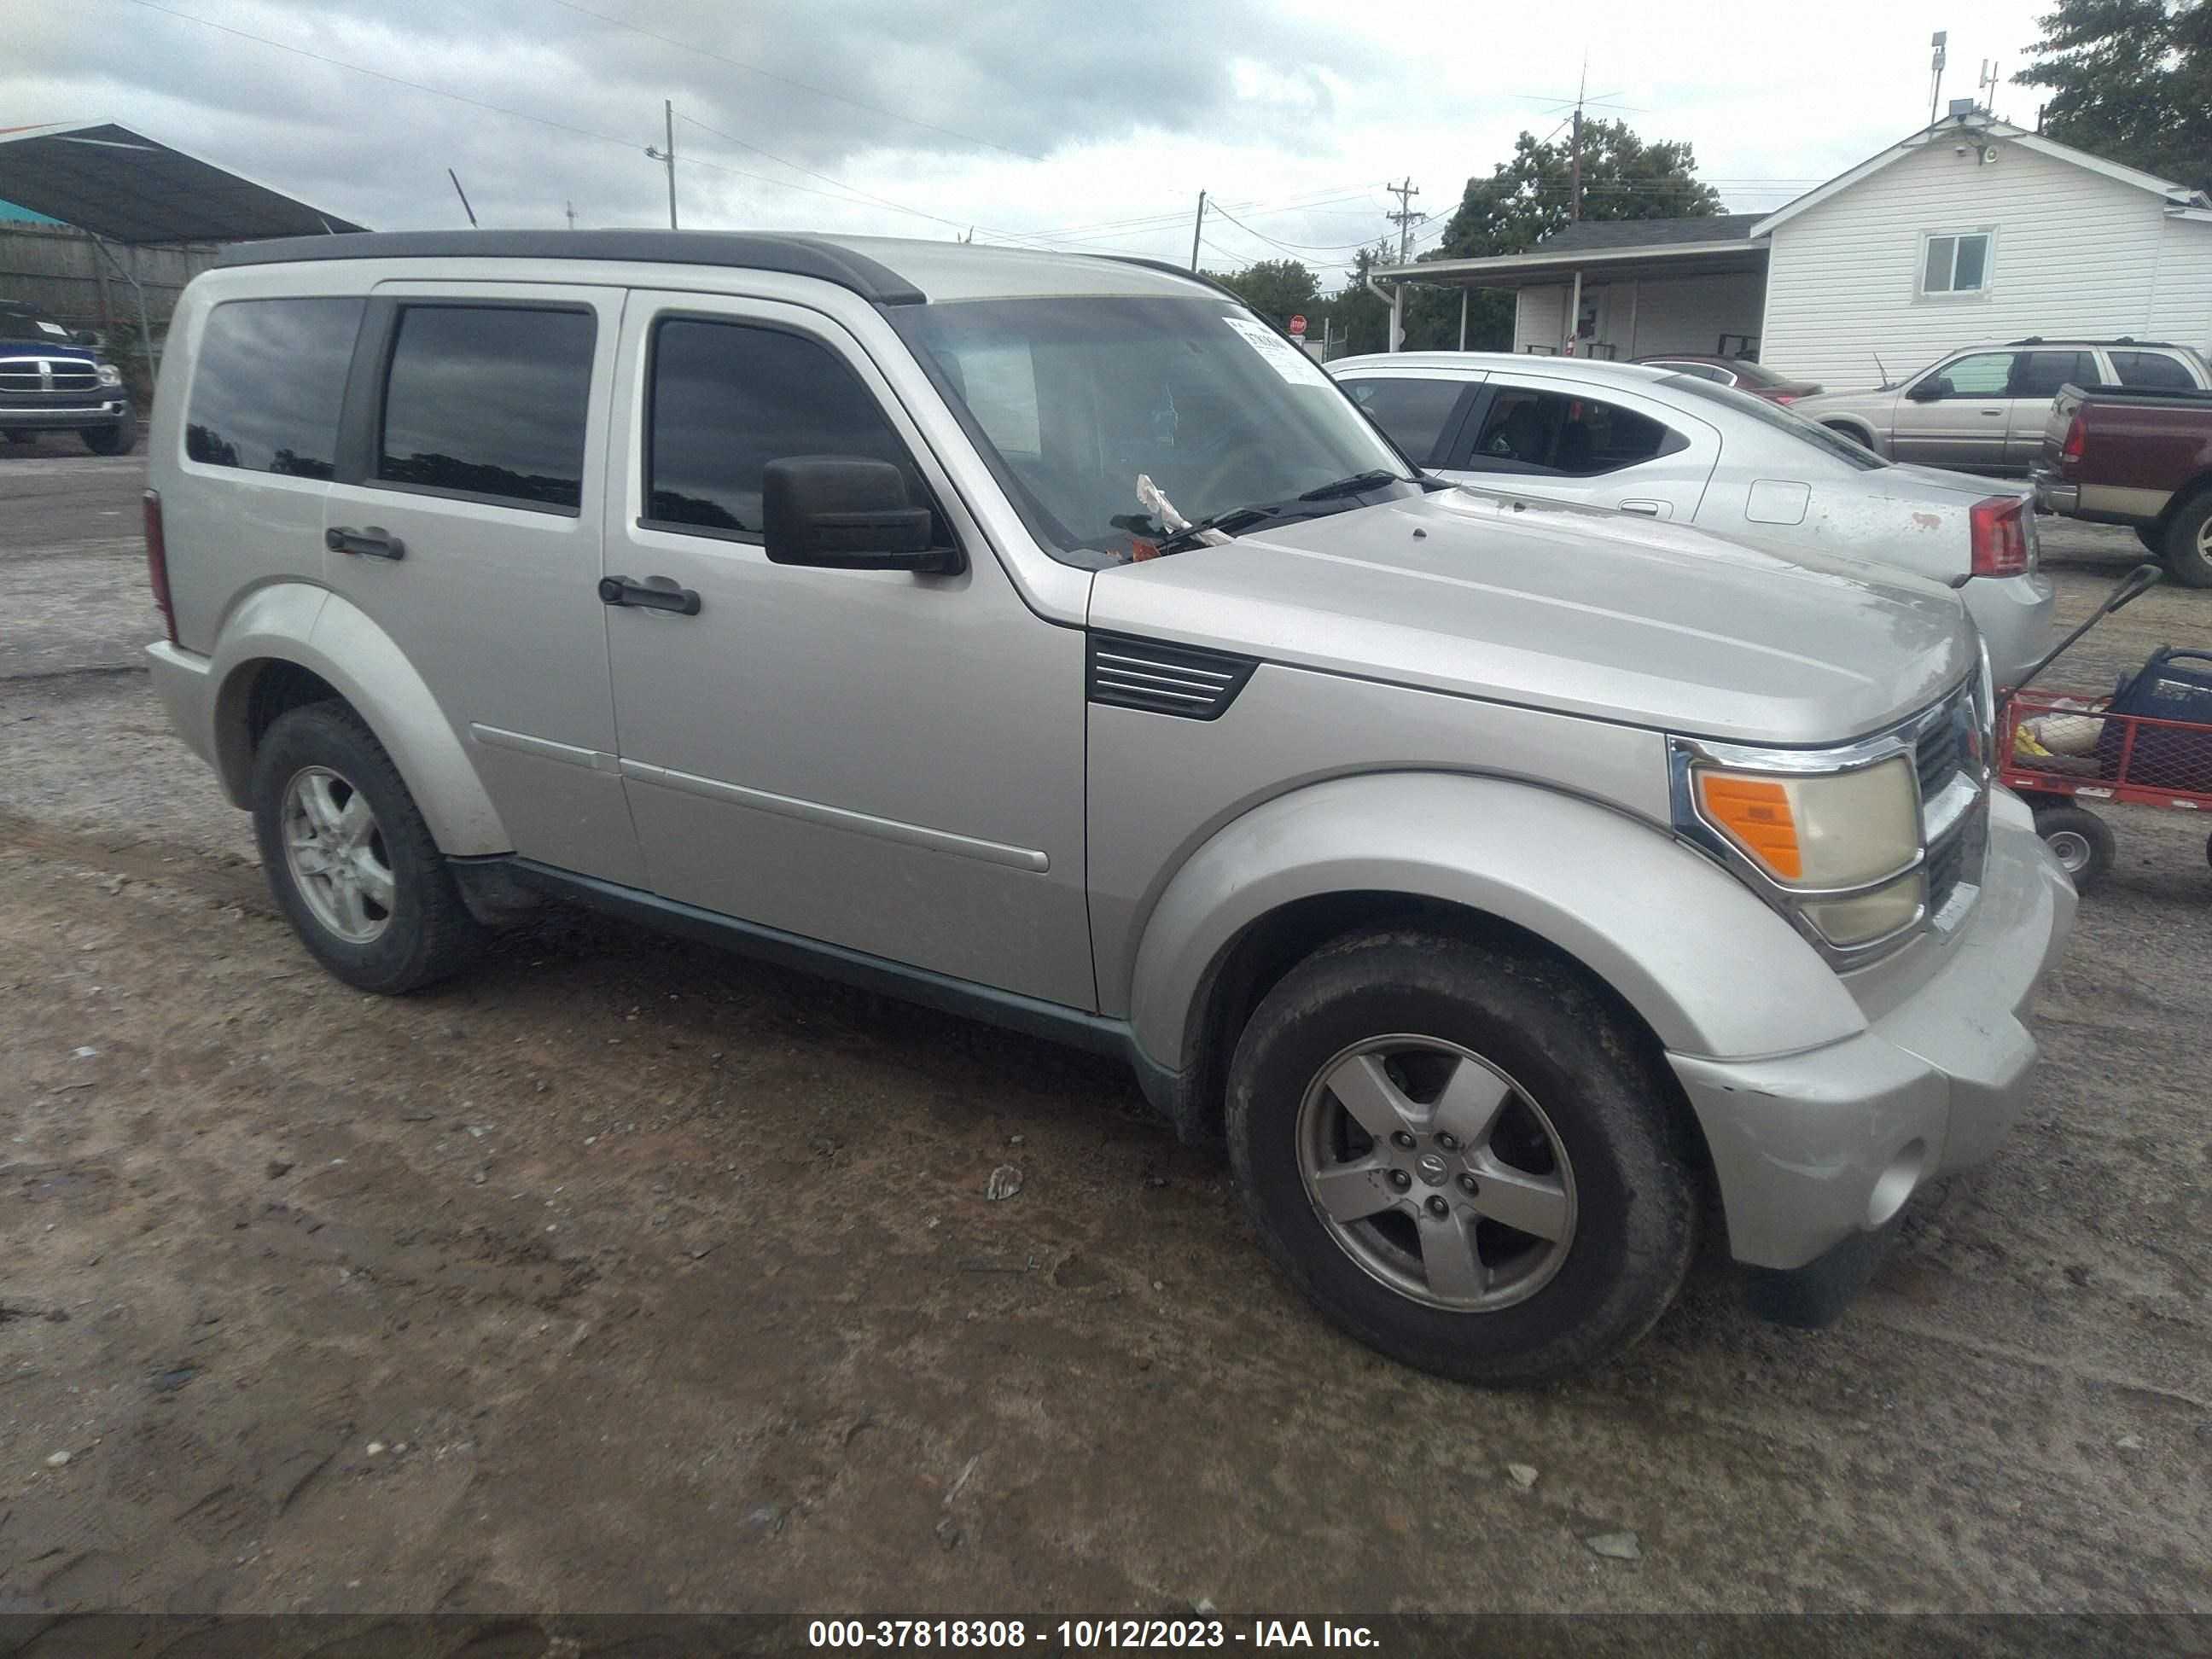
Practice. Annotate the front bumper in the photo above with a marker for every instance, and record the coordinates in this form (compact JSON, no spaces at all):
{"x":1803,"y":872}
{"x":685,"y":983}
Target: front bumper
{"x":2054,"y":494}
{"x":1811,"y":1149}
{"x":69,"y":415}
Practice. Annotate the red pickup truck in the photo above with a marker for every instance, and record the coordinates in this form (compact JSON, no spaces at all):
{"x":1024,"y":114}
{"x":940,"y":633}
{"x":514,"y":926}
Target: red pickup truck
{"x":2126,"y":455}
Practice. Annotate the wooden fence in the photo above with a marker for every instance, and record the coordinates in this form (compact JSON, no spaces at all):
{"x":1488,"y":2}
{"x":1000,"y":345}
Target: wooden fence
{"x":64,"y":271}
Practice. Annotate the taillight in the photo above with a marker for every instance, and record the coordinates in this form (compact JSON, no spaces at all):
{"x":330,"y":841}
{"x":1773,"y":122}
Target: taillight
{"x":2077,"y":439}
{"x":157,"y":563}
{"x":2000,"y":536}
{"x":1783,"y":397}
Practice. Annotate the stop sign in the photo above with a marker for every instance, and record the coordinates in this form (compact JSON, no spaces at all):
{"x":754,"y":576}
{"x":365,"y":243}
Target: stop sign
{"x":1297,"y":325}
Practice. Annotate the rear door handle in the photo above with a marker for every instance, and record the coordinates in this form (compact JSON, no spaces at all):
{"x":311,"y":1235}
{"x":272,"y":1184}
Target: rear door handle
{"x":373,"y":541}
{"x":654,"y":593}
{"x":1645,"y":509}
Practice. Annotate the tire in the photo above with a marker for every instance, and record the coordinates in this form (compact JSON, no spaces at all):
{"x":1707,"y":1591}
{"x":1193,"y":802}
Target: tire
{"x":2082,"y":841}
{"x":2154,"y":541}
{"x":115,"y":440}
{"x":2188,"y":550}
{"x":1585,"y":1139}
{"x":1857,"y":435}
{"x":19,"y":438}
{"x":331,"y":817}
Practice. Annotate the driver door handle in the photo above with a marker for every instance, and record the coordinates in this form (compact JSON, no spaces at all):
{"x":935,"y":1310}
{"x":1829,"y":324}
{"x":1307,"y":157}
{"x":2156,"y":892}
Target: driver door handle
{"x":654,"y":593}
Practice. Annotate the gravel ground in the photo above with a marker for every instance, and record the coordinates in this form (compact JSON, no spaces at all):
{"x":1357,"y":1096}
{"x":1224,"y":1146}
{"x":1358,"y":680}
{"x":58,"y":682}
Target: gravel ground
{"x":618,"y":1275}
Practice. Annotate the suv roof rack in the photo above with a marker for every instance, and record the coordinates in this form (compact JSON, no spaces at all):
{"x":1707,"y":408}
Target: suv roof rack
{"x":791,"y":256}
{"x":2123,"y":340}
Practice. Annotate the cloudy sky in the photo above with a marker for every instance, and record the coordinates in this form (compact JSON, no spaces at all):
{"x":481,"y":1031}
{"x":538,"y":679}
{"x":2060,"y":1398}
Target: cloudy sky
{"x":1085,"y":125}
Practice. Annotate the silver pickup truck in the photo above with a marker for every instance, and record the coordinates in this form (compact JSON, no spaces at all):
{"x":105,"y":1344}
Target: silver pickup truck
{"x":1046,"y":639}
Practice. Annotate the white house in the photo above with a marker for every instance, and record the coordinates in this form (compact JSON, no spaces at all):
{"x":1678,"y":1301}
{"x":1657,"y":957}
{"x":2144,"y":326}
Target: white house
{"x":1970,"y":229}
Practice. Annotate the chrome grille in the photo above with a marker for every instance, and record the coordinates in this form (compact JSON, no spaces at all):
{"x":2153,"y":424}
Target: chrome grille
{"x":1954,"y":798}
{"x":1165,"y":679}
{"x":47,"y":375}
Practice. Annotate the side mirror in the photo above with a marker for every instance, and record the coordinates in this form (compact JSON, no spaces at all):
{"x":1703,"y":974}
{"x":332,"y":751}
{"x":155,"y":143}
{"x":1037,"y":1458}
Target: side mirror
{"x":843,"y":513}
{"x":1929,"y":391}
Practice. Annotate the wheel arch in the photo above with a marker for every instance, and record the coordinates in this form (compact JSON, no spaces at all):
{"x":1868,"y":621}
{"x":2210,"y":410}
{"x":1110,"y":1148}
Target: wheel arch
{"x":288,"y":644}
{"x":1858,"y":431}
{"x":1479,"y":858}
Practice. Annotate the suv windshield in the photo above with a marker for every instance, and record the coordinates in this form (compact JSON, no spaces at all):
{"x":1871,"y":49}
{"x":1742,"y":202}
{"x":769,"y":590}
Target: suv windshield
{"x":1770,"y":414}
{"x":1070,"y":400}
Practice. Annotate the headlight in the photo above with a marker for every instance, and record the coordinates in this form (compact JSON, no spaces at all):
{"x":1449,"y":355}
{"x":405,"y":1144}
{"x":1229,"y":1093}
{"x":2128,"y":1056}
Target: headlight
{"x":110,"y":375}
{"x":1820,"y":830}
{"x":1842,"y":845}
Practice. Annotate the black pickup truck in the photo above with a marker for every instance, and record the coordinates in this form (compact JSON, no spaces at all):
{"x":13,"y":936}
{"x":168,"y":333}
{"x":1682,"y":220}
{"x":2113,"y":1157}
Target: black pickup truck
{"x":52,"y":380}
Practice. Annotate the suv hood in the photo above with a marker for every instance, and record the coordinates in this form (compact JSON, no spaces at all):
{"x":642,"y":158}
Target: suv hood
{"x":1572,"y":609}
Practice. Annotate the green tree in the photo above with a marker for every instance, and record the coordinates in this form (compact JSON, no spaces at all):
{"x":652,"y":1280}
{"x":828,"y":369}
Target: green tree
{"x":1276,"y":289}
{"x":2131,"y":81}
{"x":1526,"y":199}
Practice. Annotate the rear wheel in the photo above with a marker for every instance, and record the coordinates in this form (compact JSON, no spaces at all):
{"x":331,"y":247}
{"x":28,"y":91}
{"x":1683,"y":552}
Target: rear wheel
{"x":115,"y":440}
{"x":2082,"y":841}
{"x":1459,"y":1154}
{"x":2188,"y":549}
{"x":348,"y":858}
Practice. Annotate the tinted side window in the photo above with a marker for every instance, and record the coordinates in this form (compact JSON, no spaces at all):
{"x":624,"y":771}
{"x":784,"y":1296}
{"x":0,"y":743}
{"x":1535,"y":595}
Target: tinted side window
{"x":270,"y":377}
{"x":726,"y":399}
{"x":489,"y":401}
{"x":1711,"y":372}
{"x":1414,"y":413}
{"x":2040,"y":374}
{"x":2151,"y":368}
{"x":1555,"y":432}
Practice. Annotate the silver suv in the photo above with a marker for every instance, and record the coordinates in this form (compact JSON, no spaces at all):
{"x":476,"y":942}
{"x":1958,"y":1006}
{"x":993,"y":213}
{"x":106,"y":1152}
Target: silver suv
{"x":1982,"y":410}
{"x":1047,"y":640}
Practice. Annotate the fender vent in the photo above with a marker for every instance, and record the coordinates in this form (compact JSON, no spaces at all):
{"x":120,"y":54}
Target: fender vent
{"x":1165,"y":679}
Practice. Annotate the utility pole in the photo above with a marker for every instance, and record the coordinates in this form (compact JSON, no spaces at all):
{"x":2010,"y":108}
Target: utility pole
{"x":668,"y":156}
{"x":570,"y":208}
{"x":1195,"y":229}
{"x":1575,"y":189}
{"x":1935,"y":72}
{"x":1404,"y":218}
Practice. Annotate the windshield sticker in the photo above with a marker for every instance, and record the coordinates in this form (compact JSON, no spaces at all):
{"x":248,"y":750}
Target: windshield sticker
{"x":52,"y":328}
{"x":1285,"y":359}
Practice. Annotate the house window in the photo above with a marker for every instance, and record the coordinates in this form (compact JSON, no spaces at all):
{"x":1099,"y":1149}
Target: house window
{"x":1955,"y":264}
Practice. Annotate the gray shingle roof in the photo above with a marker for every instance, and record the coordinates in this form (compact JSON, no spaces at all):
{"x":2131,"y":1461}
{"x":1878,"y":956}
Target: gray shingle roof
{"x":1589,"y":234}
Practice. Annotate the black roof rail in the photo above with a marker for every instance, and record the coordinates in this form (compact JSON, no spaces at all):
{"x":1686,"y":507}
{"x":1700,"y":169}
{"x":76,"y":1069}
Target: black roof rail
{"x":2123,"y":340}
{"x":790,"y":256}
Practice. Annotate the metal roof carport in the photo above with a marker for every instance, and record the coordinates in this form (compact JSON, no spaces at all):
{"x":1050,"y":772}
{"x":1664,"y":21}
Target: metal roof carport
{"x":1620,"y":250}
{"x":121,"y":187}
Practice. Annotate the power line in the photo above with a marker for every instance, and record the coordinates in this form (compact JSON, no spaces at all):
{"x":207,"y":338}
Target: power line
{"x":786,"y":80}
{"x":880,"y":201}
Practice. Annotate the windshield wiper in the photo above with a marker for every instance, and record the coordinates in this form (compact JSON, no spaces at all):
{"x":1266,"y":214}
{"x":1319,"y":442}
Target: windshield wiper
{"x":1357,"y":484}
{"x":1308,"y":504}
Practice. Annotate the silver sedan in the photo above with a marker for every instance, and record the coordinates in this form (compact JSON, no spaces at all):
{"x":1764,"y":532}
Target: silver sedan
{"x":1668,"y":445}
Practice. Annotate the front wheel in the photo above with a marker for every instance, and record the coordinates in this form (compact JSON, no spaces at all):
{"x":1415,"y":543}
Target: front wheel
{"x":1460,"y":1153}
{"x":2188,"y":549}
{"x":115,"y":440}
{"x":350,"y":860}
{"x":2082,"y":841}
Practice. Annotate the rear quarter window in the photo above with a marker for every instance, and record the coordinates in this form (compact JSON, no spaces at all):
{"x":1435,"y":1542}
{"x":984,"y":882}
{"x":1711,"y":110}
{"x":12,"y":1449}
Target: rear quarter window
{"x":268,"y":384}
{"x":2152,"y":370}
